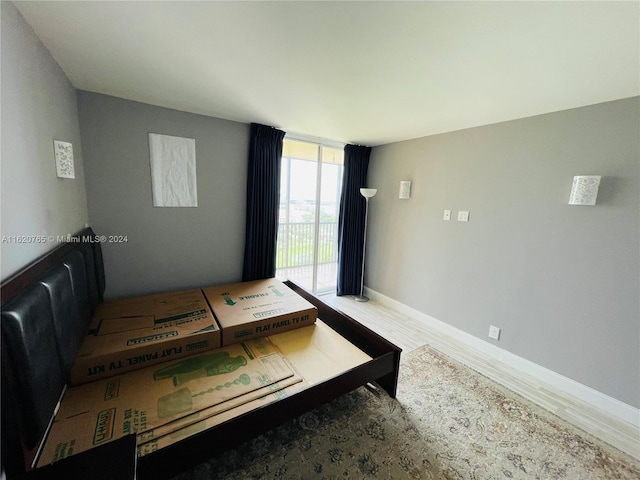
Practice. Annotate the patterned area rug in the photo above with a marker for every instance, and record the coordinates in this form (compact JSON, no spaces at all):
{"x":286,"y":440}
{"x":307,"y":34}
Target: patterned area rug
{"x":448,"y":422}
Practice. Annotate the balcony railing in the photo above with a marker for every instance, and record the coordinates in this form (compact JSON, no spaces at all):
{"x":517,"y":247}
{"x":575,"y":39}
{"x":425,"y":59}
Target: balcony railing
{"x":295,"y":244}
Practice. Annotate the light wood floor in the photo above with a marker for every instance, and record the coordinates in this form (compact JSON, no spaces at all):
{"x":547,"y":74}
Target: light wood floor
{"x":411,"y":333}
{"x":406,"y":332}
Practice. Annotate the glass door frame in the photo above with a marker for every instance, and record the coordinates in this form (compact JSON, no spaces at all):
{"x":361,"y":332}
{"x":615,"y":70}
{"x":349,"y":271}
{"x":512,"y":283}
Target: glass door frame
{"x":322,"y":145}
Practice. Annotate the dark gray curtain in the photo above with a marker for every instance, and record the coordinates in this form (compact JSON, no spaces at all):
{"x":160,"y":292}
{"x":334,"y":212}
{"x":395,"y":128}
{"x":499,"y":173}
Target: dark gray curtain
{"x":263,"y":199}
{"x":351,"y":220}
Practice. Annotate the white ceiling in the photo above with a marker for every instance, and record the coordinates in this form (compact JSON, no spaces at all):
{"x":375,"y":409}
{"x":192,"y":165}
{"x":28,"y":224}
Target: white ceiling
{"x":359,"y":72}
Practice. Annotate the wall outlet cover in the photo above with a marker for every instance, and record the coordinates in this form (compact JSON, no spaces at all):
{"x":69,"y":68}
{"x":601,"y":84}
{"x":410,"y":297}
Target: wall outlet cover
{"x":494,"y":332}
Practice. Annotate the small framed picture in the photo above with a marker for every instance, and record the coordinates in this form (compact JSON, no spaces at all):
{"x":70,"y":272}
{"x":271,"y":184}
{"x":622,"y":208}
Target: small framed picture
{"x":64,"y":159}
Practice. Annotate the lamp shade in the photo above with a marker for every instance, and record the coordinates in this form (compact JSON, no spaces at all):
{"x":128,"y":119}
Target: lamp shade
{"x":368,"y":192}
{"x":584,"y":190}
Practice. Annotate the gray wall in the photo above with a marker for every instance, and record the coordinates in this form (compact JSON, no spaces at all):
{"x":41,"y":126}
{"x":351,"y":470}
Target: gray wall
{"x":166,"y":248}
{"x":38,"y":106}
{"x":561,"y":281}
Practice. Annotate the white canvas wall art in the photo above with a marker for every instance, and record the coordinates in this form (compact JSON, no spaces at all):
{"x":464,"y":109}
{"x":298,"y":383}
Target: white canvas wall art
{"x":173,"y":171}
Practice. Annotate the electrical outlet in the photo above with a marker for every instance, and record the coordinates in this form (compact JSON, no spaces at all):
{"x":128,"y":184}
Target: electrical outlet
{"x":494,"y":332}
{"x":447,"y":215}
{"x":463,"y":216}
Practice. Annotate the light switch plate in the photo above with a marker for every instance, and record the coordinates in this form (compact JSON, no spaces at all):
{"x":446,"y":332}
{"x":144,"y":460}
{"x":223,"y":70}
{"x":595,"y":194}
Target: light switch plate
{"x":405,"y":190}
{"x":447,"y":215}
{"x":463,"y":216}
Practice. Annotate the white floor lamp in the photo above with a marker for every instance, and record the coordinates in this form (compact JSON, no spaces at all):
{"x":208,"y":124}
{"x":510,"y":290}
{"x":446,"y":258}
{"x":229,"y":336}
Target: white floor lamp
{"x":367,"y":193}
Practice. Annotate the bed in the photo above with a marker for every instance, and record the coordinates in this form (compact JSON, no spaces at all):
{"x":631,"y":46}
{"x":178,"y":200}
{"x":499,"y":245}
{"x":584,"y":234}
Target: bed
{"x":45,"y":312}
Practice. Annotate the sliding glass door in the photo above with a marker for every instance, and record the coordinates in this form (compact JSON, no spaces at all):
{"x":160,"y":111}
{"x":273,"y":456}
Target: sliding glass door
{"x":311,"y":179}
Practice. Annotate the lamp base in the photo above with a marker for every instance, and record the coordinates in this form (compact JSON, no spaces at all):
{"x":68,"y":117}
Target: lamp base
{"x":361,"y":298}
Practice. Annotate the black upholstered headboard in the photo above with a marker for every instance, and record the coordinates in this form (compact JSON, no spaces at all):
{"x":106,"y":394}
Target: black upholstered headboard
{"x":46,"y":309}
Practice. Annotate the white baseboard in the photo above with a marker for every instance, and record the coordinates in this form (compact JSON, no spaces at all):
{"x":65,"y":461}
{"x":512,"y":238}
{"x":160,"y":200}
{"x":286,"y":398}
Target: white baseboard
{"x":605,"y":417}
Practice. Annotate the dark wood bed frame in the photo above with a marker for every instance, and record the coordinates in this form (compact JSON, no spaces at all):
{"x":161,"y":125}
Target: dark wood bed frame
{"x":19,"y":395}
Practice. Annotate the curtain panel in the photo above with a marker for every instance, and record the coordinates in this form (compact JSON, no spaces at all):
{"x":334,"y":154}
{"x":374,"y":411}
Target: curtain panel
{"x":263,"y":201}
{"x":351,"y":219}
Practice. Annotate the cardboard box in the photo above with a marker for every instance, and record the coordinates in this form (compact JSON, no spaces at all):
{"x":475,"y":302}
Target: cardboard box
{"x":208,"y":422}
{"x":318,"y":352}
{"x":315,"y":352}
{"x":258,"y":308}
{"x":132,"y":333}
{"x":215,"y":410}
{"x":99,"y":412}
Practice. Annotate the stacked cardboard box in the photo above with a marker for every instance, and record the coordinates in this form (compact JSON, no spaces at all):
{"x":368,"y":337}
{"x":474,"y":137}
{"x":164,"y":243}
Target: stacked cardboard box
{"x":132,"y":333}
{"x":178,"y":380}
{"x":258,"y":308}
{"x":158,"y":400}
{"x":315,"y":352}
{"x":149,"y":445}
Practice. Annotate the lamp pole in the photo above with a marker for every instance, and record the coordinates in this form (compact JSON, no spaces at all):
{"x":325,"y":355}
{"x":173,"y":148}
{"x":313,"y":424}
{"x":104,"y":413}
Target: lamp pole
{"x":367,"y":193}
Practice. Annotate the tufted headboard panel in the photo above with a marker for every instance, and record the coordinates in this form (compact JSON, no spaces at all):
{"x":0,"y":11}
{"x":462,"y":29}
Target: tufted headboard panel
{"x":46,"y":309}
